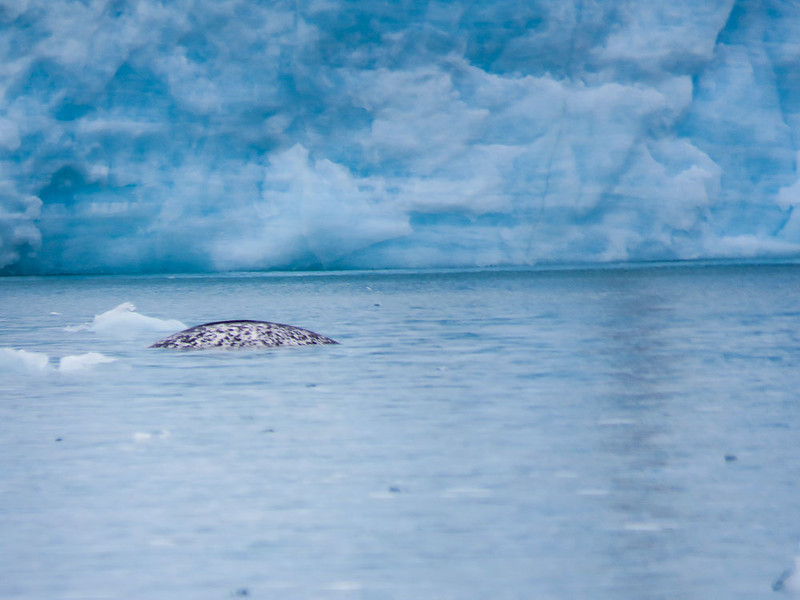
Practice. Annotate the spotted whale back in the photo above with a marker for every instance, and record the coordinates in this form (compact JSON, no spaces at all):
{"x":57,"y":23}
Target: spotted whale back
{"x":241,"y":334}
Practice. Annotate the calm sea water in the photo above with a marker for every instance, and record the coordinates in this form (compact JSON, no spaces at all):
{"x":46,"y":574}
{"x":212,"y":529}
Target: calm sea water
{"x":599,"y":434}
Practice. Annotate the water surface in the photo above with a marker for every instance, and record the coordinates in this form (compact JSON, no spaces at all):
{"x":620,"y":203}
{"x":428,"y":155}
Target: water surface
{"x":603,"y":434}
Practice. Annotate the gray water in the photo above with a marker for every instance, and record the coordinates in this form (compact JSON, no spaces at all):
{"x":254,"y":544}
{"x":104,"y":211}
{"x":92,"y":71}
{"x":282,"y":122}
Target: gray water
{"x":599,"y":434}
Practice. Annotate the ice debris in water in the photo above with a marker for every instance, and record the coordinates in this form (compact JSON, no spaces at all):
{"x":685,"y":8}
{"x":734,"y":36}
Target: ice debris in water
{"x":83,"y":362}
{"x":141,"y":436}
{"x":25,"y":362}
{"x":124,"y":321}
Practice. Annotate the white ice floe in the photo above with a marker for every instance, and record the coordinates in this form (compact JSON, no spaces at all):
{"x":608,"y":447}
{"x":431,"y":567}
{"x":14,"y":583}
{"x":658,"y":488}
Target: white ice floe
{"x":23,"y":361}
{"x":83,"y":362}
{"x":141,"y":436}
{"x":124,"y":321}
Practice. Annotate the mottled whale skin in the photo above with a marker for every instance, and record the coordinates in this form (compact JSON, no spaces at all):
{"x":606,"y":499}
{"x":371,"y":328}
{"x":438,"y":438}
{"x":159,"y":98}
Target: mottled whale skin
{"x":241,"y":334}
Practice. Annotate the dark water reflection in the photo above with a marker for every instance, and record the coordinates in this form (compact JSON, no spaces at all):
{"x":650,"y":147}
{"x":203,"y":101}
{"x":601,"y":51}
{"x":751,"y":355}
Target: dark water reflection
{"x":681,"y":367}
{"x":639,"y":362}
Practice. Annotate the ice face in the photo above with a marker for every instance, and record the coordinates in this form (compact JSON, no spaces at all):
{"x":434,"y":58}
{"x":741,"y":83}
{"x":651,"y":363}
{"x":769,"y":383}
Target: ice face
{"x":206,"y":135}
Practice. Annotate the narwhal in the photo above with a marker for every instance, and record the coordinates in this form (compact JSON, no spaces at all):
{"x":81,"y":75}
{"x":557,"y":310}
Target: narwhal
{"x":241,"y":334}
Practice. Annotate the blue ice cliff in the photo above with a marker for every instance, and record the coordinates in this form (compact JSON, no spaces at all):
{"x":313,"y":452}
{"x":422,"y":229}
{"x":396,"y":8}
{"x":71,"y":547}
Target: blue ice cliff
{"x":201,"y":135}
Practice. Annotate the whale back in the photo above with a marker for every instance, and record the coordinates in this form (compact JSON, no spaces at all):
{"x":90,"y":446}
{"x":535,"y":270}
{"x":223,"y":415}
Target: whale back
{"x":241,"y":334}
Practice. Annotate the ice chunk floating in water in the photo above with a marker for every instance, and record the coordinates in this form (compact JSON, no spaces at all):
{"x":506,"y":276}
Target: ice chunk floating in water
{"x":23,"y":361}
{"x":124,"y":321}
{"x":83,"y":362}
{"x":241,"y":334}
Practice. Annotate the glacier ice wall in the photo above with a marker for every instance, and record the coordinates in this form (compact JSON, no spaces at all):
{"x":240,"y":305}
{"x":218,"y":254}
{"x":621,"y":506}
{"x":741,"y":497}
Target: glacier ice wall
{"x":197,"y":135}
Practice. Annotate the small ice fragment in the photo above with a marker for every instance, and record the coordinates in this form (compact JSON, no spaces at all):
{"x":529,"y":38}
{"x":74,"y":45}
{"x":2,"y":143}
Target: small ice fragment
{"x":140,"y":436}
{"x":23,"y":361}
{"x":124,"y":321}
{"x":83,"y":362}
